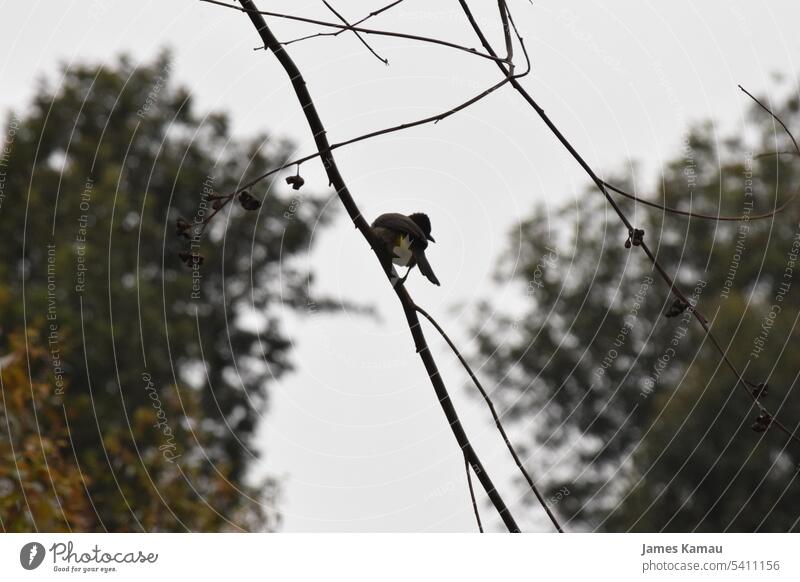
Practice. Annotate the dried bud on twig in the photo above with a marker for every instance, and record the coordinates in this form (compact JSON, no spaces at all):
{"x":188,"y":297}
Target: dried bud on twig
{"x":678,"y":306}
{"x":248,"y":202}
{"x":762,"y":422}
{"x":190,"y":258}
{"x":296,"y":182}
{"x":635,"y":237}
{"x":182,"y":227}
{"x":760,"y":390}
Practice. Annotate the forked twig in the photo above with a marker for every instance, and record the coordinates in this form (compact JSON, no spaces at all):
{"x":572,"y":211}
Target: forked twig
{"x":495,"y":416}
{"x":472,"y":494}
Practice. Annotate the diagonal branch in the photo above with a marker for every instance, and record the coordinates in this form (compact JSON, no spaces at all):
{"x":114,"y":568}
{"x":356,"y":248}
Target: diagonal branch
{"x":676,"y":291}
{"x":336,"y":179}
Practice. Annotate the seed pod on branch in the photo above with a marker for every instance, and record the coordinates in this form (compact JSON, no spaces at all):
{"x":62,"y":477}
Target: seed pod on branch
{"x":248,"y":202}
{"x":191,"y":259}
{"x":762,"y":422}
{"x":677,"y":307}
{"x":760,"y":390}
{"x":296,"y":182}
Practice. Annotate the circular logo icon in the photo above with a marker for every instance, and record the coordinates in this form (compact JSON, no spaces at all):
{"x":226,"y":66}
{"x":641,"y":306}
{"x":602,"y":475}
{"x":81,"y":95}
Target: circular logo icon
{"x":31,"y":555}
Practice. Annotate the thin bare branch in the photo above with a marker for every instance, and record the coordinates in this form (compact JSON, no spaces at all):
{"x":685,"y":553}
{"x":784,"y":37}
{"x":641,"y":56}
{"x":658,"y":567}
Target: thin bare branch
{"x":501,"y":4}
{"x":721,"y":218}
{"x":338,"y":32}
{"x":495,"y":416}
{"x":775,"y":117}
{"x":226,"y":198}
{"x":358,"y":36}
{"x":670,"y":210}
{"x":771,"y":154}
{"x":472,"y":494}
{"x":425,"y":39}
{"x":520,"y":41}
{"x":375,"y":13}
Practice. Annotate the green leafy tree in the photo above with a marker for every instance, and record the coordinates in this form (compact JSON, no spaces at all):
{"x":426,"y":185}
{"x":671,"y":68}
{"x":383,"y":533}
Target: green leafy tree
{"x":161,"y":364}
{"x":628,"y":410}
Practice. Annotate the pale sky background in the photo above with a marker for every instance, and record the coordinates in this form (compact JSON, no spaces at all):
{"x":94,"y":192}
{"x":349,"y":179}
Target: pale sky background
{"x":357,"y":433}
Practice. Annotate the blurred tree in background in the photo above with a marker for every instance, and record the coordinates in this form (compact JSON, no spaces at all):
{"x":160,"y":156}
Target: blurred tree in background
{"x":35,"y":446}
{"x":132,"y":403}
{"x":630,"y":411}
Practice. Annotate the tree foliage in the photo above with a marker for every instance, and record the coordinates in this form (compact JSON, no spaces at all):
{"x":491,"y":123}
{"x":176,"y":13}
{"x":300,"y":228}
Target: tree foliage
{"x":592,"y":370}
{"x":157,"y":369}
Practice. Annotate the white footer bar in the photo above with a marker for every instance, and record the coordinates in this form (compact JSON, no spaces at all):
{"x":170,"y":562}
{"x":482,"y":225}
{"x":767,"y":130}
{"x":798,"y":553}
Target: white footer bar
{"x":401,"y":557}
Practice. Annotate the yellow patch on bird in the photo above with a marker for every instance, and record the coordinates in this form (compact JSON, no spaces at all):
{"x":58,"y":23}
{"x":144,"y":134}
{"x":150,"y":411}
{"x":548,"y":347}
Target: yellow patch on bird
{"x":402,"y":250}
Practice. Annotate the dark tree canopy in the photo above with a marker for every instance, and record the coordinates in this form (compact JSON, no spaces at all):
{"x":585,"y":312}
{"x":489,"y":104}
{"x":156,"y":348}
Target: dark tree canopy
{"x":156,"y":372}
{"x":642,"y":424}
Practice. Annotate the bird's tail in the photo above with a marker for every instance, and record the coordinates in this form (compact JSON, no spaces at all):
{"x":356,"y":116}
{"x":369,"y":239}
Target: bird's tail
{"x":425,"y":268}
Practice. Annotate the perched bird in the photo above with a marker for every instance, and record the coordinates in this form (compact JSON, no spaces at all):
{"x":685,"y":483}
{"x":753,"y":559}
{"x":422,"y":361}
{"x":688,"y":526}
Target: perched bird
{"x":403,"y":240}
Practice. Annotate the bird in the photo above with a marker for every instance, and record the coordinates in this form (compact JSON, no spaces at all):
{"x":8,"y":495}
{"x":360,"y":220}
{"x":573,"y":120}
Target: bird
{"x":402,"y":240}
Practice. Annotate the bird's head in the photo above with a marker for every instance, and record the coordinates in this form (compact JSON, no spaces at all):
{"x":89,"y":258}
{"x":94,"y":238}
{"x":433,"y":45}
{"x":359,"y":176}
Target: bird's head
{"x":424,"y":223}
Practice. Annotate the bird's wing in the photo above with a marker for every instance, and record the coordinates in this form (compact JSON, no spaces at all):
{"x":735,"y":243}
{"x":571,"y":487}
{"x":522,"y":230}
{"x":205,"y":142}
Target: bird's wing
{"x":400,"y":223}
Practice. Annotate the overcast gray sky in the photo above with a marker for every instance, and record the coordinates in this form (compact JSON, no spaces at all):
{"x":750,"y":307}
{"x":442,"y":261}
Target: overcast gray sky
{"x":356,"y":432}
